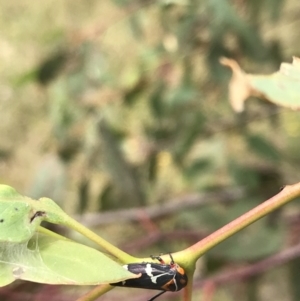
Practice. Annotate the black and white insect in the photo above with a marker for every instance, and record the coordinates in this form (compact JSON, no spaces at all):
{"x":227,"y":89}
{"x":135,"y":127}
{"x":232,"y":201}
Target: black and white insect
{"x":156,"y":276}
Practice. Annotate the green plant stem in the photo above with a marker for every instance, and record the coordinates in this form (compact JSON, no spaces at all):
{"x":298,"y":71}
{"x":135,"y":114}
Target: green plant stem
{"x":121,"y":255}
{"x":188,"y":290}
{"x":95,"y":293}
{"x":286,"y":195}
{"x":51,"y":233}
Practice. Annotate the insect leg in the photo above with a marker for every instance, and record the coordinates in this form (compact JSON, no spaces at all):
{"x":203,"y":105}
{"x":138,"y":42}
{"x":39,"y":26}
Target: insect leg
{"x":157,"y":296}
{"x":172,"y":260}
{"x":157,"y":258}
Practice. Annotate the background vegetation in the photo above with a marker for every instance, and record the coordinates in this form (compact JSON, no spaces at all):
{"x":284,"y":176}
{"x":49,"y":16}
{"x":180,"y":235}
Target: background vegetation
{"x":109,"y":106}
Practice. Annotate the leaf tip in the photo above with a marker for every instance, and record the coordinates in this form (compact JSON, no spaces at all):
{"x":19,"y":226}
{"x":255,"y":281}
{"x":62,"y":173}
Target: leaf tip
{"x":239,"y":88}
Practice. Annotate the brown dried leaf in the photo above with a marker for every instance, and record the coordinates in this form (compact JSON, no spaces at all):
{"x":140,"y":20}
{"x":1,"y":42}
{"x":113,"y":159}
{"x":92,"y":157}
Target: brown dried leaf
{"x":281,"y":88}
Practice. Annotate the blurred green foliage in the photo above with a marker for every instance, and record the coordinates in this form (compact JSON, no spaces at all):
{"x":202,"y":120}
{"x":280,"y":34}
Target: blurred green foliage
{"x":119,"y":104}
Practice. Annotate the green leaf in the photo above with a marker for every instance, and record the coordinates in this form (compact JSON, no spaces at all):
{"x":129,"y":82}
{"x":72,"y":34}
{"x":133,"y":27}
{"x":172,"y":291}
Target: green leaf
{"x":50,"y":68}
{"x":281,"y":88}
{"x":8,"y":192}
{"x":182,"y":96}
{"x":262,"y":147}
{"x":197,"y":167}
{"x":157,"y":105}
{"x":20,"y":216}
{"x":17,"y":218}
{"x":244,"y":175}
{"x":50,"y":260}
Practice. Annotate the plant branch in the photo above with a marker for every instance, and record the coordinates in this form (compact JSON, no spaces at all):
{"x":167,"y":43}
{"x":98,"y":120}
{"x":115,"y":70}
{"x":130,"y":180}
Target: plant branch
{"x":253,"y":269}
{"x":188,"y":201}
{"x":286,"y":195}
{"x":95,"y":293}
{"x":121,"y":255}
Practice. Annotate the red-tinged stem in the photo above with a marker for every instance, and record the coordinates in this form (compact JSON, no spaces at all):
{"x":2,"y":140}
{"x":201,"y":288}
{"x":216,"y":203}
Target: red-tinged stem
{"x":286,"y":195}
{"x":188,"y":290}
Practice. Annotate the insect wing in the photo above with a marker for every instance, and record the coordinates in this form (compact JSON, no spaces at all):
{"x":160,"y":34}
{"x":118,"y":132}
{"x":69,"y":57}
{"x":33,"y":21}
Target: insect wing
{"x":156,"y":276}
{"x":153,"y":276}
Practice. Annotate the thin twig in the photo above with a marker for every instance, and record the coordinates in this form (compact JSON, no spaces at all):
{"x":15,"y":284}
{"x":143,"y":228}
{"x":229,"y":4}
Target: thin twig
{"x":253,"y":269}
{"x":188,"y":201}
